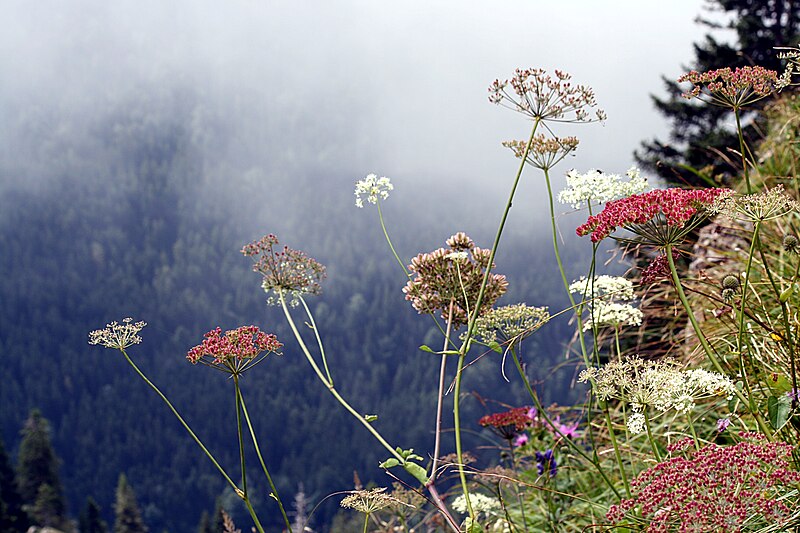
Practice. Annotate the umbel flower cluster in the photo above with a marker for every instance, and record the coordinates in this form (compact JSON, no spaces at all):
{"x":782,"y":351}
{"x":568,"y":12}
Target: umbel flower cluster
{"x":373,"y":188}
{"x":607,"y":298}
{"x":234,"y":351}
{"x":510,"y":324}
{"x":537,"y":94}
{"x":508,"y":423}
{"x":646,"y":214}
{"x":284,"y":270}
{"x":660,"y":385}
{"x":118,"y":336}
{"x":543,"y":152}
{"x":734,"y":88}
{"x":759,"y":207}
{"x":716,"y":488}
{"x":451,"y":278}
{"x":596,"y":187}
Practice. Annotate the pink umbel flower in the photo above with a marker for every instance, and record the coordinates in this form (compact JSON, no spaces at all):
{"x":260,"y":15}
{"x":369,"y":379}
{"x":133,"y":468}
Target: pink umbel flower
{"x":236,"y":350}
{"x":734,"y":88}
{"x":657,"y":215}
{"x":508,"y":424}
{"x":717,"y":488}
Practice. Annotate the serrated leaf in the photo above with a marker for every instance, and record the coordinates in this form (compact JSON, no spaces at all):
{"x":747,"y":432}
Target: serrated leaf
{"x":495,"y":346}
{"x":389,"y":463}
{"x":417,"y":471}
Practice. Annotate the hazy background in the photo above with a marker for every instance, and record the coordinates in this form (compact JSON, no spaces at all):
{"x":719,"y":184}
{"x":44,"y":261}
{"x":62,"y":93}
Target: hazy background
{"x":143,"y":142}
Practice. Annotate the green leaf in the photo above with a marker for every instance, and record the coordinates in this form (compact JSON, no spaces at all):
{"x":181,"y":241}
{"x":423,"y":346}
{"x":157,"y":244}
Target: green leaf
{"x":778,"y":410}
{"x":495,"y":346}
{"x":425,"y":348}
{"x":389,"y":463}
{"x":785,"y":295}
{"x":417,"y":471}
{"x":370,"y":418}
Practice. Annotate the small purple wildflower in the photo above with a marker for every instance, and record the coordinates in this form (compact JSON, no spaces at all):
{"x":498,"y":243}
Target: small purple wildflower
{"x":794,"y":395}
{"x":722,"y":424}
{"x":546,"y":460}
{"x":521,"y":440}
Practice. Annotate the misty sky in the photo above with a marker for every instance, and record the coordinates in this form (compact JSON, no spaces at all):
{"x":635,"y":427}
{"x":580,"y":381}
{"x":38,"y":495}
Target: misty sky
{"x":407,"y":78}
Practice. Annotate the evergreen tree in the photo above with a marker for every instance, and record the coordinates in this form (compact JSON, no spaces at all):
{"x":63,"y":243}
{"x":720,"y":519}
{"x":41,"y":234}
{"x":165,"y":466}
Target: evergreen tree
{"x":128,"y":517}
{"x":90,"y":520}
{"x":205,"y":525}
{"x":698,"y":130}
{"x":12,"y":517}
{"x":37,"y":473}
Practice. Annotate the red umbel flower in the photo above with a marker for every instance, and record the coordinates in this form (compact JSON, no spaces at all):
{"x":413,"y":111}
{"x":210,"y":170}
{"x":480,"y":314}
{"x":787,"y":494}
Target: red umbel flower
{"x":676,"y":206}
{"x":509,"y":423}
{"x":733,"y":88}
{"x":236,"y":350}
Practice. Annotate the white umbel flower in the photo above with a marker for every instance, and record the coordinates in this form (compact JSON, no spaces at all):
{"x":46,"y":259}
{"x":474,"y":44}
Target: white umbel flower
{"x":594,"y":186}
{"x":373,"y":187}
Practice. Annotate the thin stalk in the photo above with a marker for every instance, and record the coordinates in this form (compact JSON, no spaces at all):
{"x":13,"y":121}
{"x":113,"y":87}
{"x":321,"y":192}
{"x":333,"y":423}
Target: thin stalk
{"x":263,"y":464}
{"x":693,"y":431}
{"x":707,"y":347}
{"x":741,"y":149}
{"x":389,"y":241}
{"x":457,"y":427}
{"x":239,"y":433}
{"x":183,"y":423}
{"x":366,"y":521}
{"x":750,"y":254}
{"x":653,"y":444}
{"x":253,"y":515}
{"x":440,"y":398}
{"x":319,"y":341}
{"x":617,"y":453}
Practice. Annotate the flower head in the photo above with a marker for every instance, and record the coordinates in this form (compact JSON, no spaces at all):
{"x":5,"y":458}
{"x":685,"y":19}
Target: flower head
{"x":521,"y":440}
{"x":766,"y":205}
{"x":370,"y":501}
{"x":508,"y":424}
{"x":660,"y":216}
{"x":733,"y":88}
{"x":546,"y":461}
{"x":446,"y":275}
{"x":543,"y":152}
{"x":235,"y":351}
{"x":607,"y":298}
{"x":374,"y":188}
{"x":594,"y":186}
{"x":658,"y":269}
{"x":284,"y":270}
{"x":537,"y":94}
{"x":510,"y":323}
{"x":722,"y":424}
{"x":118,"y":336}
{"x":480,"y":503}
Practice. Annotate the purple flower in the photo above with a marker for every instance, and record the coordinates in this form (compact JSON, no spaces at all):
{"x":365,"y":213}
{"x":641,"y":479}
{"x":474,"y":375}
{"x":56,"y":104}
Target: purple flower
{"x":532,"y":413}
{"x":521,"y":439}
{"x":794,"y":394}
{"x":722,"y":424}
{"x":569,"y":431}
{"x":546,"y":460}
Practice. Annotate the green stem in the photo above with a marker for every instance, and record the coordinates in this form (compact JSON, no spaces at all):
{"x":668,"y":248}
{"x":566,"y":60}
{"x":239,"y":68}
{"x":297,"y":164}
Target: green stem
{"x":457,"y":426}
{"x":693,"y":431}
{"x":239,"y":433}
{"x":440,"y":398}
{"x":182,"y":421}
{"x":750,"y":254}
{"x":617,"y":453}
{"x":319,"y":341}
{"x":707,"y":347}
{"x":389,"y":241}
{"x":653,"y":444}
{"x":253,"y":515}
{"x":742,"y":150}
{"x":366,"y":521}
{"x":263,"y":464}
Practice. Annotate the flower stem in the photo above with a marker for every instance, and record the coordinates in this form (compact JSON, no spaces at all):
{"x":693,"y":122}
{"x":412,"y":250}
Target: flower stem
{"x":182,"y":421}
{"x":243,"y":495}
{"x":653,"y":444}
{"x":319,"y":341}
{"x":440,"y":398}
{"x":741,"y":150}
{"x":389,"y":241}
{"x":274,"y":493}
{"x":457,"y":427}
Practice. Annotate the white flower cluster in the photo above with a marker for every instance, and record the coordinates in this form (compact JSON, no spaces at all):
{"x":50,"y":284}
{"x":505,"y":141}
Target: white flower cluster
{"x":510,"y":323}
{"x":118,"y":336}
{"x":479,"y":502}
{"x":607,"y":297}
{"x":661,"y":385}
{"x":594,"y":186}
{"x":373,"y":187}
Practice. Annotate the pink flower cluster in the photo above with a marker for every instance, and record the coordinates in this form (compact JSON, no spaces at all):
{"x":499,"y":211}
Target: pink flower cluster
{"x":235,"y":349}
{"x":285,"y":269}
{"x":658,"y":269}
{"x":736,"y":87}
{"x":717,"y":488}
{"x":677,"y":206}
{"x":508,"y":423}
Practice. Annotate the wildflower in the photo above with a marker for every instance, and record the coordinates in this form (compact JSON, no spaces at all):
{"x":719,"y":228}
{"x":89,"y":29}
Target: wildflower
{"x":235,"y":351}
{"x":284,"y":270}
{"x":508,"y":423}
{"x":658,"y":269}
{"x":722,"y":424}
{"x":606,"y":297}
{"x":374,"y":188}
{"x":546,"y":461}
{"x":733,"y":88}
{"x":793,"y":395}
{"x":369,"y":501}
{"x":118,"y":336}
{"x":731,"y":281}
{"x":594,"y":186}
{"x":791,"y":243}
{"x":636,"y":423}
{"x":544,"y":152}
{"x":569,"y":431}
{"x":521,"y":440}
{"x":660,"y":216}
{"x":510,"y":324}
{"x":441,"y":280}
{"x":716,"y":488}
{"x":479,"y":502}
{"x":541,"y":96}
{"x":766,"y":205}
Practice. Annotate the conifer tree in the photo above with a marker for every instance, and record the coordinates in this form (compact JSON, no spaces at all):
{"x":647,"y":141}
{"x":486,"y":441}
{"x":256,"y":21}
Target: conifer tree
{"x":699,"y":131}
{"x":37,"y":473}
{"x":12,"y":517}
{"x":128,"y":517}
{"x":205,"y":525}
{"x":90,"y":520}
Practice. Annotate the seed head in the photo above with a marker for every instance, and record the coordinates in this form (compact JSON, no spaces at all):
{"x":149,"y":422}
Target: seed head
{"x":734,"y":88}
{"x":731,"y":281}
{"x":791,"y":244}
{"x":118,"y":336}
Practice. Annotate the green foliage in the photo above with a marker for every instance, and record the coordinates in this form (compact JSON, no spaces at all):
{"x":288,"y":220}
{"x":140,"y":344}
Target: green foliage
{"x":128,"y":518}
{"x":12,"y":517}
{"x":90,"y":519}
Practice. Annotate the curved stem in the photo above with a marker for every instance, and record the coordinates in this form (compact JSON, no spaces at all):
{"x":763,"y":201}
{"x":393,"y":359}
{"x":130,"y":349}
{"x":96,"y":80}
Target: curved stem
{"x":389,"y":241}
{"x":457,"y":426}
{"x":440,"y":398}
{"x":183,"y":422}
{"x":263,"y":464}
{"x":319,"y":341}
